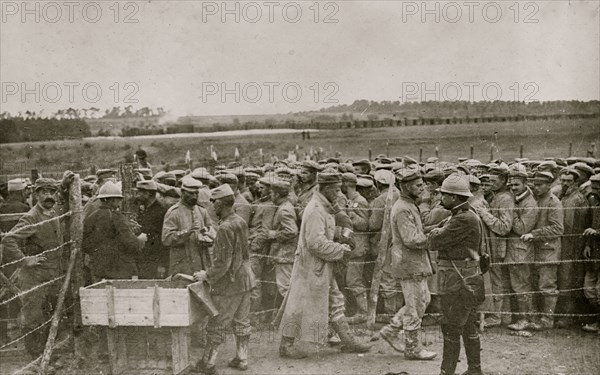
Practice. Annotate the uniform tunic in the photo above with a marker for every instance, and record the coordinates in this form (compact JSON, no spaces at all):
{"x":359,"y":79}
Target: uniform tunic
{"x":186,"y":254}
{"x":230,"y":279}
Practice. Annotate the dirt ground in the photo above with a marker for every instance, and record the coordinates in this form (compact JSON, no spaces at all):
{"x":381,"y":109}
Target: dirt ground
{"x":560,"y":351}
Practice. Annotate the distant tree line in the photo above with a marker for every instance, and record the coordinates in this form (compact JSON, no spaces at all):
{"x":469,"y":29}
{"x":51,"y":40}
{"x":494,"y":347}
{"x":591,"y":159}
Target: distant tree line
{"x":87,"y":113}
{"x":30,"y":130}
{"x":464,"y":108}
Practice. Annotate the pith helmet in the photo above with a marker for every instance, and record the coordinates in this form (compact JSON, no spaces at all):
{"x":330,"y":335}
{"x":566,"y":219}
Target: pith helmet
{"x":457,"y":185}
{"x":110,"y":190}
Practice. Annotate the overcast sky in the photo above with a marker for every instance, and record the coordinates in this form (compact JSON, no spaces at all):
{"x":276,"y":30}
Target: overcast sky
{"x":180,"y":54}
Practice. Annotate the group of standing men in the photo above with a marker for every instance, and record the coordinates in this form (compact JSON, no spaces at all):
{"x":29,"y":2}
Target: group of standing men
{"x":318,"y":224}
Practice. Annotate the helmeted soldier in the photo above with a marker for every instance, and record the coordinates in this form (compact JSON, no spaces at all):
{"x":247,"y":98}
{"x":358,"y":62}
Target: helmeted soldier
{"x":460,"y":281}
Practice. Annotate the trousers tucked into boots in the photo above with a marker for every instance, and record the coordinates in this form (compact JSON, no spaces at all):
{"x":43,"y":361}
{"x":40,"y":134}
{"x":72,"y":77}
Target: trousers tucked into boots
{"x":349,"y":343}
{"x":241,"y":353}
{"x":413,"y":348}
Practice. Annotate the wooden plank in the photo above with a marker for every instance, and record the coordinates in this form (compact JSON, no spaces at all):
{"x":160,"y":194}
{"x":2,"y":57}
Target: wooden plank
{"x":179,"y":346}
{"x":110,"y":306}
{"x":117,"y":350}
{"x":156,"y":307}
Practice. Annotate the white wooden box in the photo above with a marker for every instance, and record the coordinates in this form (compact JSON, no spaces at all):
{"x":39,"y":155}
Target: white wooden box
{"x":157,"y":303}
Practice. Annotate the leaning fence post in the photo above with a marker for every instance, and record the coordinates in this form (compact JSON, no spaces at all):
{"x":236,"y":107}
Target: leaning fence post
{"x":74,"y":194}
{"x":77,"y":280}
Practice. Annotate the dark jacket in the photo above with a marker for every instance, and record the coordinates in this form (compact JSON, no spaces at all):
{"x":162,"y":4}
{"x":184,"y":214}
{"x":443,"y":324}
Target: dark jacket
{"x":151,"y":222}
{"x":460,"y":237}
{"x":230,"y":272}
{"x":110,"y":243}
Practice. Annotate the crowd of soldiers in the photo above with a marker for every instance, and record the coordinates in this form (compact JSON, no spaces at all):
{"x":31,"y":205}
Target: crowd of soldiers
{"x":318,"y":226}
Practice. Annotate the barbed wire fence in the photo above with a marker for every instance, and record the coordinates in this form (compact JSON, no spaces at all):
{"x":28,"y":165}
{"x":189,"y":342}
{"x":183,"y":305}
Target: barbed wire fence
{"x":10,"y":292}
{"x":73,"y":279}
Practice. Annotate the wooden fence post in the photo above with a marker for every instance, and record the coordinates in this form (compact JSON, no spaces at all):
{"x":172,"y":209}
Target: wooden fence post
{"x":472,"y":153}
{"x":58,"y":310}
{"x":420,"y":154}
{"x":570,"y":149}
{"x":370,"y":154}
{"x":521,"y":151}
{"x":77,"y":280}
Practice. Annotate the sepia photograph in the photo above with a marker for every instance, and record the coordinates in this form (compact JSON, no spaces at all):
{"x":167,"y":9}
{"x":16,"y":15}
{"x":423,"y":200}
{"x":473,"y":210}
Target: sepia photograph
{"x":307,"y":187}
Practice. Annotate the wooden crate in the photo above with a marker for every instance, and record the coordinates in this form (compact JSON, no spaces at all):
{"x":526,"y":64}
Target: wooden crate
{"x":157,"y":303}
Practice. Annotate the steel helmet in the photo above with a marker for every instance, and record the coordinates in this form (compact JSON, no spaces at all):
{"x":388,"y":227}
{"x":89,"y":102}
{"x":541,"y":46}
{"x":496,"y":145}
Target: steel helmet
{"x":110,"y":190}
{"x":457,"y":185}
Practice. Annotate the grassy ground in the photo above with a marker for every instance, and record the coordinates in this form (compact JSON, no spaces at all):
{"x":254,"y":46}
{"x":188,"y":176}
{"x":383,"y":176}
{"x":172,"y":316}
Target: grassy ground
{"x":539,"y":139}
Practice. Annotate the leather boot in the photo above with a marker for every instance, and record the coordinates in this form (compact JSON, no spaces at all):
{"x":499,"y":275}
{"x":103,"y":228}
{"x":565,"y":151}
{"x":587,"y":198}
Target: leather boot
{"x":207,"y":364}
{"x":349,"y":343}
{"x":391,"y":334}
{"x":450,"y":354}
{"x":361,"y":310}
{"x":413,"y":349}
{"x":473,"y":352}
{"x":287,"y":349}
{"x":549,"y":303}
{"x":240,"y":361}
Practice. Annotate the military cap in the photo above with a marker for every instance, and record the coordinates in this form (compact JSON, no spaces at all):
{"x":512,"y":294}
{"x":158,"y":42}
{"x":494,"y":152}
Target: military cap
{"x":332,"y":166}
{"x":473,"y":179}
{"x":595,"y":178}
{"x":407,"y":160}
{"x":159,"y":175}
{"x":320,"y":162}
{"x":517,"y":170}
{"x":462,"y":159}
{"x":309,"y":164}
{"x":448,"y":170}
{"x":227,"y":178}
{"x":362,"y":162}
{"x":364,"y":182}
{"x":501,"y":168}
{"x":234,"y":165}
{"x":485,"y":177}
{"x":46,"y":183}
{"x":200,"y":173}
{"x":463,"y":167}
{"x":90,"y":178}
{"x":543,"y":176}
{"x":146,"y":172}
{"x":188,"y":183}
{"x":222,"y":191}
{"x":238,"y":172}
{"x":283,"y":171}
{"x":251,"y":176}
{"x":381,"y":166}
{"x":583,"y":168}
{"x":521,"y":160}
{"x":432,"y":159}
{"x":547,"y":165}
{"x":281,"y":185}
{"x":105,"y":173}
{"x":256,"y":170}
{"x":572,"y":171}
{"x":168,"y":176}
{"x":349,"y":177}
{"x":380,"y":156}
{"x":473,"y":163}
{"x":409,"y":174}
{"x":17,"y":184}
{"x":346,"y":167}
{"x":220,"y":167}
{"x":333,"y":160}
{"x":434,"y":174}
{"x":429,"y":167}
{"x":178,"y":173}
{"x":596,"y":170}
{"x":266,"y":180}
{"x":149,"y":185}
{"x":383,"y":176}
{"x":329,"y":176}
{"x":386,"y":160}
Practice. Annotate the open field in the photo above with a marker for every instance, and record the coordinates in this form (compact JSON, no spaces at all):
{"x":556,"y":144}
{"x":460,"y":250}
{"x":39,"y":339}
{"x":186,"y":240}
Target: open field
{"x":539,"y":139}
